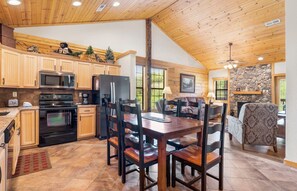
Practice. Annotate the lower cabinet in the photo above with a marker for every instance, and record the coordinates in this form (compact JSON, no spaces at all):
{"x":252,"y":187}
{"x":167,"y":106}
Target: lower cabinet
{"x":29,"y":128}
{"x":86,"y":122}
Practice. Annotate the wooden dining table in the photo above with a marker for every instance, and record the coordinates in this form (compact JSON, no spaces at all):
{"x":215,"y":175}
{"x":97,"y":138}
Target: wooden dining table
{"x":173,"y":127}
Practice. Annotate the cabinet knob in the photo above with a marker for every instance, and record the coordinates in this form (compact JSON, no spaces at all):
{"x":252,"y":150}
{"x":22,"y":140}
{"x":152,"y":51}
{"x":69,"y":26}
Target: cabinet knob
{"x":77,"y":84}
{"x":35,"y":82}
{"x":60,"y":68}
{"x":3,"y":81}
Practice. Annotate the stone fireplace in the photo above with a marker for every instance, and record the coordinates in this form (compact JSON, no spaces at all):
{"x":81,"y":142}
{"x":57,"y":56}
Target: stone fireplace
{"x":249,"y":79}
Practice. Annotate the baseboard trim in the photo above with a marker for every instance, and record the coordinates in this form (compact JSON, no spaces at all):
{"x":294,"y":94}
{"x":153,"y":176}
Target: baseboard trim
{"x":290,"y":163}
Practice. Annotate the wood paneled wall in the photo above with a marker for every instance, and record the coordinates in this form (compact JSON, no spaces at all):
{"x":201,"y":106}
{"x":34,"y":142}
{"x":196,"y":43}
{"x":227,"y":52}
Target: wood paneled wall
{"x":173,"y":77}
{"x":47,"y":46}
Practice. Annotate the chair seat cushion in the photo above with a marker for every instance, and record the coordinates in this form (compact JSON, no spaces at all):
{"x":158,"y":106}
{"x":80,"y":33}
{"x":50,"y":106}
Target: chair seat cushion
{"x":193,"y":154}
{"x":150,"y":153}
{"x":114,"y":141}
{"x":183,"y":141}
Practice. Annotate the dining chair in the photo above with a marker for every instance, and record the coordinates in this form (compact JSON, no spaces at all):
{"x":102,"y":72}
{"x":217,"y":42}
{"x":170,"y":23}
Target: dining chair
{"x":184,"y":141}
{"x":140,"y":153}
{"x":205,"y":157}
{"x":113,"y":135}
{"x":166,"y":103}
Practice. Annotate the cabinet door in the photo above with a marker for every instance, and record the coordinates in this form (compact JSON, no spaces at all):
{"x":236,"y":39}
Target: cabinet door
{"x":16,"y":149}
{"x":10,"y":69}
{"x":86,"y":125}
{"x":113,"y":70}
{"x":98,"y":69}
{"x":28,"y":128}
{"x":48,"y":64}
{"x":66,"y":66}
{"x":83,"y":76}
{"x":30,"y":72}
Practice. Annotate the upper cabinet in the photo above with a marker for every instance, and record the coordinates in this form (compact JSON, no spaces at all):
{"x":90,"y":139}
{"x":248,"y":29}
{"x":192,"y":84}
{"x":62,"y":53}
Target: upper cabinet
{"x":48,"y":64}
{"x":29,"y":74}
{"x":21,"y":69}
{"x":83,"y":76}
{"x":99,"y":69}
{"x":66,"y":66}
{"x":10,"y":68}
{"x":113,"y":70}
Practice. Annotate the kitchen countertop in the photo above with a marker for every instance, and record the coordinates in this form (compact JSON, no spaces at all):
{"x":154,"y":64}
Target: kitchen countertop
{"x":13,"y":111}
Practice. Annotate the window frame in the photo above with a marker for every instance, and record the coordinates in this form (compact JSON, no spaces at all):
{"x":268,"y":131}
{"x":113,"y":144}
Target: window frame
{"x":164,"y":85}
{"x":143,"y":84}
{"x":215,"y":89}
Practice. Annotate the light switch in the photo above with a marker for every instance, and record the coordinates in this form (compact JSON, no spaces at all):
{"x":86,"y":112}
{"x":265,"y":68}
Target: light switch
{"x":80,"y":94}
{"x":14,"y":94}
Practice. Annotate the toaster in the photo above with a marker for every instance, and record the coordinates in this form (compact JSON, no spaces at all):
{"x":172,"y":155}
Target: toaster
{"x":13,"y":103}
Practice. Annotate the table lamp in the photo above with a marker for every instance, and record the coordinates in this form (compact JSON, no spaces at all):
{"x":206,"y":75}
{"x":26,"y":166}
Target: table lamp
{"x":167,"y":90}
{"x":210,"y":95}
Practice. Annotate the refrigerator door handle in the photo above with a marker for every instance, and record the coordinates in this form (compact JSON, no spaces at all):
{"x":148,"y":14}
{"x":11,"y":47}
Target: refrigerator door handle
{"x":114,"y":97}
{"x":111,"y":92}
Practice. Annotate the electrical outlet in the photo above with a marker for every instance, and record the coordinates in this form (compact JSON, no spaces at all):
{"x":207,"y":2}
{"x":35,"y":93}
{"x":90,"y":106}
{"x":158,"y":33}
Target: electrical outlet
{"x":80,"y":94}
{"x":14,"y":94}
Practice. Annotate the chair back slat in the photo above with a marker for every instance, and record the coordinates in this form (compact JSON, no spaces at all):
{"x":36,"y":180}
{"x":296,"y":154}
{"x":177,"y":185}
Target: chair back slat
{"x":214,"y":128}
{"x":131,"y":126}
{"x":132,"y":109}
{"x":213,"y":146}
{"x":193,"y":104}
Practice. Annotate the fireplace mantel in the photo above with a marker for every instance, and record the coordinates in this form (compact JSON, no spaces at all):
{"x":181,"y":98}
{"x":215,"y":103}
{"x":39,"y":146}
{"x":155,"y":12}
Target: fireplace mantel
{"x":247,"y":92}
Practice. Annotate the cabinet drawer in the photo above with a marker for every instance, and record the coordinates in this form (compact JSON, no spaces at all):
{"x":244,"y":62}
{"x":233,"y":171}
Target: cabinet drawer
{"x":87,"y":110}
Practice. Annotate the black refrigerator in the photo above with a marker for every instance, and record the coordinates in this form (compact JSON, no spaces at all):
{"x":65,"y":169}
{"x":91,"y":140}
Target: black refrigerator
{"x":113,"y":88}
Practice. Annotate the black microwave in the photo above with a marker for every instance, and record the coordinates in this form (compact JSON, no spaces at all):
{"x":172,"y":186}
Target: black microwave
{"x":57,"y":80}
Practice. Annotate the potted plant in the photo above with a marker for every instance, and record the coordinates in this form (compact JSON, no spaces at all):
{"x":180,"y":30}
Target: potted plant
{"x":109,"y":57}
{"x":90,"y":53}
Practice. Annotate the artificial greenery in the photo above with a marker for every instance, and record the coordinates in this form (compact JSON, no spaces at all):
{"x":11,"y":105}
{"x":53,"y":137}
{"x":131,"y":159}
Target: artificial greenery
{"x":76,"y":54}
{"x":109,"y":54}
{"x":90,"y":50}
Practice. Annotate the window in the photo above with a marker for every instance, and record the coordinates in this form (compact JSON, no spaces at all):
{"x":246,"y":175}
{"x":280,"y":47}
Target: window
{"x":157,"y":86}
{"x":221,"y":89}
{"x":139,"y":84}
{"x":281,"y":93}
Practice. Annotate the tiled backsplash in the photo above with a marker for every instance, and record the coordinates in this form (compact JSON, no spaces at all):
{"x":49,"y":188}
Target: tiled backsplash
{"x":32,"y":95}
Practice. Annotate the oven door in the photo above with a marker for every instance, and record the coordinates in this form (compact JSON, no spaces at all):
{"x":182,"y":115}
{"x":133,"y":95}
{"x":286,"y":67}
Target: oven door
{"x":57,"y":125}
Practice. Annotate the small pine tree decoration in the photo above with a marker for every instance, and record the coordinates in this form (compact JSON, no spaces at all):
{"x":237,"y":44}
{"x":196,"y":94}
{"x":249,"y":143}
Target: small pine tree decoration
{"x":90,"y":50}
{"x":109,"y":55}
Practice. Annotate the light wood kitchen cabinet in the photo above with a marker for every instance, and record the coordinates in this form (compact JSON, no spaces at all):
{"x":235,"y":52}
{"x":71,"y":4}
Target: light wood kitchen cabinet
{"x":98,"y":69}
{"x":10,"y":68}
{"x":48,"y":64}
{"x":86,"y":122}
{"x":83,"y":76}
{"x":113,"y":70}
{"x":66,"y":66}
{"x":15,"y":144}
{"x":29,"y":74}
{"x":29,"y":128}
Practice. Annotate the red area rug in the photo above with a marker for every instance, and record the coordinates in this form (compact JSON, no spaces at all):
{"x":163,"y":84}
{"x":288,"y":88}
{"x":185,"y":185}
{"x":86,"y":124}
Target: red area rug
{"x":30,"y":163}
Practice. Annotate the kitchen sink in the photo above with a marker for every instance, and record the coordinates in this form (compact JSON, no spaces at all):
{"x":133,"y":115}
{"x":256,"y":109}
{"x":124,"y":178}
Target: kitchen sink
{"x":4,"y":113}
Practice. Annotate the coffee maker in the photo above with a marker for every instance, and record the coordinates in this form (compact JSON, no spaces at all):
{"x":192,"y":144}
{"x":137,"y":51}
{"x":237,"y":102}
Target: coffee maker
{"x":85,"y":100}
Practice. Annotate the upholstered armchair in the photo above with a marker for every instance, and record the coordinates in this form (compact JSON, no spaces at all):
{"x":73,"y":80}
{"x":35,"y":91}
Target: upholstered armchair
{"x":256,"y":125}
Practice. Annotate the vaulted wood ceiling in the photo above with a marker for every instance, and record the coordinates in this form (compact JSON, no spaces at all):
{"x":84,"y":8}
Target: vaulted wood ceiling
{"x":204,"y":28}
{"x":201,"y":27}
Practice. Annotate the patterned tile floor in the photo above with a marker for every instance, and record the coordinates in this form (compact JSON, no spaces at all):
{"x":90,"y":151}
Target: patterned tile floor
{"x":82,"y":166}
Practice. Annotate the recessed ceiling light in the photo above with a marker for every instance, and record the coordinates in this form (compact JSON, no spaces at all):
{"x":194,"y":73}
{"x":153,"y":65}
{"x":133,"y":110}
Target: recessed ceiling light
{"x":14,"y":2}
{"x":76,"y":3}
{"x":116,"y":4}
{"x":260,"y":58}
